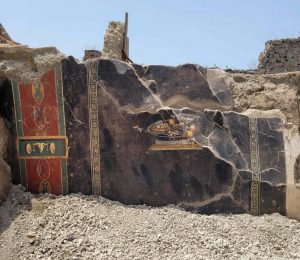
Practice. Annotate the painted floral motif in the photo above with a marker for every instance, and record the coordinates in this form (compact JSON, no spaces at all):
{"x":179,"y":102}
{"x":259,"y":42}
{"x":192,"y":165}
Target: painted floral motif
{"x":43,"y":169}
{"x":39,"y":116}
{"x":44,"y":187}
{"x":37,"y":91}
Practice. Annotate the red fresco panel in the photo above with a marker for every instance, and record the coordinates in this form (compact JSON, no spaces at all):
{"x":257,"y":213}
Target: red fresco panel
{"x":39,"y":170}
{"x":40,"y":118}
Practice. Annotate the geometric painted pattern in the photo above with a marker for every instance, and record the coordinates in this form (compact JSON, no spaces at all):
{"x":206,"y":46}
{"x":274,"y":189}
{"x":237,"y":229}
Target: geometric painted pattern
{"x":92,"y":83}
{"x":255,"y":167}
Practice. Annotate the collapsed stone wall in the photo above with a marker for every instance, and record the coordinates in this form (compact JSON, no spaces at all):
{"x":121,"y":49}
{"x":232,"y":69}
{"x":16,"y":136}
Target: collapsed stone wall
{"x":280,"y":56}
{"x":26,"y":64}
{"x":267,"y":92}
{"x":21,"y":63}
{"x":113,"y":41}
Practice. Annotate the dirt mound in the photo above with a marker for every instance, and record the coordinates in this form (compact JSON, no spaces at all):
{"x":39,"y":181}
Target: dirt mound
{"x":87,"y":227}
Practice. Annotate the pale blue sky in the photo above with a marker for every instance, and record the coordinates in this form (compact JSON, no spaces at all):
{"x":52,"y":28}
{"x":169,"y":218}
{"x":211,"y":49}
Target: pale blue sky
{"x":222,"y":32}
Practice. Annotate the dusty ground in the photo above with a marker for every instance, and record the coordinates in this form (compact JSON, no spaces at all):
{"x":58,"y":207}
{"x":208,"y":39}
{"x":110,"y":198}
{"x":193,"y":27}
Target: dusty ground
{"x":82,"y":227}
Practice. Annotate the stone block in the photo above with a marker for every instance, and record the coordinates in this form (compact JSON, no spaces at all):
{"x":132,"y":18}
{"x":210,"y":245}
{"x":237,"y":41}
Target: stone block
{"x":5,"y":179}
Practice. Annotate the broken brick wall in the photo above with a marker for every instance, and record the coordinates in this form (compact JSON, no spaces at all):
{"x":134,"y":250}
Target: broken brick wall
{"x":280,"y":56}
{"x":113,"y":41}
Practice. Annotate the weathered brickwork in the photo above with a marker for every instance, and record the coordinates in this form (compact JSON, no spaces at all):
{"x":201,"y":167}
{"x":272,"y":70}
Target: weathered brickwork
{"x":91,"y":54}
{"x":113,"y":41}
{"x":280,"y":56}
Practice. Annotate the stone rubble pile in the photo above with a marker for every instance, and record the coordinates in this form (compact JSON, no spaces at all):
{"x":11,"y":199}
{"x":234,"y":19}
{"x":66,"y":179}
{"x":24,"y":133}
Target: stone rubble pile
{"x":87,"y":227}
{"x":280,"y":56}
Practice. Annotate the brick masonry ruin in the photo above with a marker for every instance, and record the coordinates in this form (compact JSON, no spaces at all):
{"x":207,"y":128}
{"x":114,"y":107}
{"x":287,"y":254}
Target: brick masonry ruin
{"x":280,"y":56}
{"x":91,"y":54}
{"x":113,"y":41}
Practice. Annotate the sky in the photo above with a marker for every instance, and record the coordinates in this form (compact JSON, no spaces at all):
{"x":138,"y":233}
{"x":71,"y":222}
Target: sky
{"x":223,"y":33}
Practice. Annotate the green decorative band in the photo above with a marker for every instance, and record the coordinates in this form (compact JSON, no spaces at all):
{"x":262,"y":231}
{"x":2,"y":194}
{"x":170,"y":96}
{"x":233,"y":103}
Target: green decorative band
{"x":92,"y":68}
{"x":255,"y":167}
{"x":22,"y":165}
{"x":62,"y":125}
{"x":43,"y":147}
{"x":17,"y":107}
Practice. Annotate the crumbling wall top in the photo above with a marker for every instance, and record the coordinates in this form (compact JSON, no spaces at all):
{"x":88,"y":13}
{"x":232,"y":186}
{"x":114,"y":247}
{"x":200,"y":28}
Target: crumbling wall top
{"x":280,"y":56}
{"x":113,"y":41}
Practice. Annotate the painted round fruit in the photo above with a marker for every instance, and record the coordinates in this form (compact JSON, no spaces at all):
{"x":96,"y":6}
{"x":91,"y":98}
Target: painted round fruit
{"x":171,"y":122}
{"x":189,"y":134}
{"x":192,"y":128}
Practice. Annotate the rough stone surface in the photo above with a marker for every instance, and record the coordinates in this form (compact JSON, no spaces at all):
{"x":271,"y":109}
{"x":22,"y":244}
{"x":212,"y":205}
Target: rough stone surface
{"x":267,"y":92}
{"x":25,"y":64}
{"x":3,"y":138}
{"x":5,"y":38}
{"x":81,"y":227}
{"x":16,"y":201}
{"x":9,"y":148}
{"x":292,"y":154}
{"x":5,"y":172}
{"x":91,"y":54}
{"x":113,"y":41}
{"x":280,"y":56}
{"x":5,"y":179}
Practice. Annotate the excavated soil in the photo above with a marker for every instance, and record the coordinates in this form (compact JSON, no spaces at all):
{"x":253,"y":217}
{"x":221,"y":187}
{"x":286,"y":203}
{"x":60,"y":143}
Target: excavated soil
{"x":87,"y":227}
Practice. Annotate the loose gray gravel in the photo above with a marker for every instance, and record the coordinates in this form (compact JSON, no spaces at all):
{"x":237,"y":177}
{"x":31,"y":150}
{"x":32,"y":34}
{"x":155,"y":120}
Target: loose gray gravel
{"x":87,"y":227}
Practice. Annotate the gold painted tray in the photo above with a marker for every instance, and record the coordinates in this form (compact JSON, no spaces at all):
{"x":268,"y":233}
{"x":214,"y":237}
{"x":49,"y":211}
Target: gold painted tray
{"x":172,"y":147}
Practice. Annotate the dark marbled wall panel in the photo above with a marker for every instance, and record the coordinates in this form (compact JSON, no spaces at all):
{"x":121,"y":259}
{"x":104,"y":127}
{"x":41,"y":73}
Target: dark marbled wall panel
{"x":77,"y":125}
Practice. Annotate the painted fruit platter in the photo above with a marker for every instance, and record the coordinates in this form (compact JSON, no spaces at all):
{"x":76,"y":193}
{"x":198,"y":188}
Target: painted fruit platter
{"x":168,"y":130}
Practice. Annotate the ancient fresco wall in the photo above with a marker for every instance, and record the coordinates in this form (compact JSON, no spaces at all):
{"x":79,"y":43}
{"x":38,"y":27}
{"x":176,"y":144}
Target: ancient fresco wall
{"x":213,"y":171}
{"x":280,"y":56}
{"x":150,"y":134}
{"x":211,"y":159}
{"x":77,"y":126}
